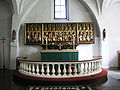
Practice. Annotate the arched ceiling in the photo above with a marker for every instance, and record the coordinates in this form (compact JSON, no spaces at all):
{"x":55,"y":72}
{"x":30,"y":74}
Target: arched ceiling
{"x":99,"y":7}
{"x":21,"y":5}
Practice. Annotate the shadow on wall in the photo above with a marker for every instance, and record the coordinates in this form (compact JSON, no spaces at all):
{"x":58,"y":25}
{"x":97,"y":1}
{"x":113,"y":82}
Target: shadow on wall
{"x":87,"y":51}
{"x":5,"y":31}
{"x":114,"y":61}
{"x":1,"y":60}
{"x":30,"y":51}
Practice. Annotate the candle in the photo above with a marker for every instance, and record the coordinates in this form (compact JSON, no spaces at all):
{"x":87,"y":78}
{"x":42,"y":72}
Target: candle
{"x":46,"y":40}
{"x":73,"y":43}
{"x":73,"y":40}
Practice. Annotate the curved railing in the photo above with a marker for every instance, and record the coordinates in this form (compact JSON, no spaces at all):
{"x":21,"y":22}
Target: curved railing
{"x":59,"y":69}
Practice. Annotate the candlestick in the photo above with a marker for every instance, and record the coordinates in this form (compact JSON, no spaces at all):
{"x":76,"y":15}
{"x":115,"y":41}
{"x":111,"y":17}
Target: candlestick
{"x":46,"y":43}
{"x":73,"y":42}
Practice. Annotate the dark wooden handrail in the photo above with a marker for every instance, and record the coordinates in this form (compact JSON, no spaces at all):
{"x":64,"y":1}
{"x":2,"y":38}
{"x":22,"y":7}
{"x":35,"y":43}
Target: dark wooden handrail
{"x":27,"y":60}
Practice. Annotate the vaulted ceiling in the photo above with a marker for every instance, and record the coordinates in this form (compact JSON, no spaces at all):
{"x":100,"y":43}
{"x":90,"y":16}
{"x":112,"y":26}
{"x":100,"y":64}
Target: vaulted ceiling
{"x":97,"y":6}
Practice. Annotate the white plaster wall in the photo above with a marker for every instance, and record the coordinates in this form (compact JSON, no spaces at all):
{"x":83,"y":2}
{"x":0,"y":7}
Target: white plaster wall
{"x":44,"y":12}
{"x":40,"y":13}
{"x":113,"y":34}
{"x":78,"y":12}
{"x":5,"y":31}
{"x":31,"y":51}
{"x":87,"y":51}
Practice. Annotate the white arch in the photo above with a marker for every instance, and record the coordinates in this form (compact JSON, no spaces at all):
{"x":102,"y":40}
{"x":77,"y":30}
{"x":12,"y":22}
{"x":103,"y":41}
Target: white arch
{"x":97,"y":11}
{"x":24,"y":14}
{"x":115,"y":1}
{"x":28,"y":9}
{"x":93,"y":12}
{"x":15,"y":6}
{"x":17,"y":19}
{"x":99,"y":18}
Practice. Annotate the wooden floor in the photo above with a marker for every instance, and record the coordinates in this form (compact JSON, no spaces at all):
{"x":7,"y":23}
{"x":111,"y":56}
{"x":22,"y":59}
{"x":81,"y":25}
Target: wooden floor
{"x":7,"y":82}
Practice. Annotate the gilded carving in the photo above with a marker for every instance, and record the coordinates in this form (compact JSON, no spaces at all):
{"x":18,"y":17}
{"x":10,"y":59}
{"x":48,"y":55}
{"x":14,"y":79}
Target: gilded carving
{"x":59,"y":33}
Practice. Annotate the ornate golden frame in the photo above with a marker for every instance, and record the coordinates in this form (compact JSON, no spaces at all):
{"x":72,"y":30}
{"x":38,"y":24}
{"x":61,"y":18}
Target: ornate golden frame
{"x":59,"y":33}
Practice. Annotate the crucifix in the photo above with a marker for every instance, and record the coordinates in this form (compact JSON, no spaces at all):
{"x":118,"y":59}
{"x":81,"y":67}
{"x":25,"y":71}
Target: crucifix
{"x":3,"y":41}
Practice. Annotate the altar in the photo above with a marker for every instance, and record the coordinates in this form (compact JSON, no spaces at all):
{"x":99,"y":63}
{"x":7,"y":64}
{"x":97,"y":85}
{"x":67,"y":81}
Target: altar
{"x":59,"y":55}
{"x":59,"y":40}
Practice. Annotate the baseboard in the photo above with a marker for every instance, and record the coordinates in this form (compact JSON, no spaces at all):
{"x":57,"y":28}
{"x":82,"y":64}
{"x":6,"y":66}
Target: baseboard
{"x":113,"y":68}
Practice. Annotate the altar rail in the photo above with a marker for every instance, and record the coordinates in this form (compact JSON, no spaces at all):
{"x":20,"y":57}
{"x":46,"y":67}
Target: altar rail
{"x":59,"y":69}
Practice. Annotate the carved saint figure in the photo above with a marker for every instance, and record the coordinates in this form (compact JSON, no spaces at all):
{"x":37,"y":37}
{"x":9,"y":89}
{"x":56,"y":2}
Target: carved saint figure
{"x":80,"y":36}
{"x":91,"y":35}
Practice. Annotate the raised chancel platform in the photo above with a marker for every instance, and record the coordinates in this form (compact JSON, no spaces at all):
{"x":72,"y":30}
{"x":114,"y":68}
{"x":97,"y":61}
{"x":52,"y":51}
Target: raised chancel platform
{"x":62,"y":72}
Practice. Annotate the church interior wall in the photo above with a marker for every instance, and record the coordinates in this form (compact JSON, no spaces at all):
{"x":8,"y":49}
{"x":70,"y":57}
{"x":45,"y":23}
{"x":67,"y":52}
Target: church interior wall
{"x":105,"y":12}
{"x":113,"y":35}
{"x":77,"y":13}
{"x":5,"y":31}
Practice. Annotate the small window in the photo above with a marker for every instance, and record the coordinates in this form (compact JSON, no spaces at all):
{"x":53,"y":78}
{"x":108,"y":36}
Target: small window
{"x":60,"y":9}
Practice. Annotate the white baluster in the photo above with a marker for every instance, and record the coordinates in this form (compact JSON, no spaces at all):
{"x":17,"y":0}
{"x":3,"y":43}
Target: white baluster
{"x":91,"y":67}
{"x":94,"y":67}
{"x":33,"y":69}
{"x":59,"y":71}
{"x":37,"y":69}
{"x":29,"y":69}
{"x":70,"y":70}
{"x":64,"y":70}
{"x":98,"y":65}
{"x":88,"y":68}
{"x":42,"y":70}
{"x":84,"y":69}
{"x":79,"y":70}
{"x":19,"y":68}
{"x":53,"y":69}
{"x":22,"y":67}
{"x":75,"y":69}
{"x":26,"y":67}
{"x":48,"y":69}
